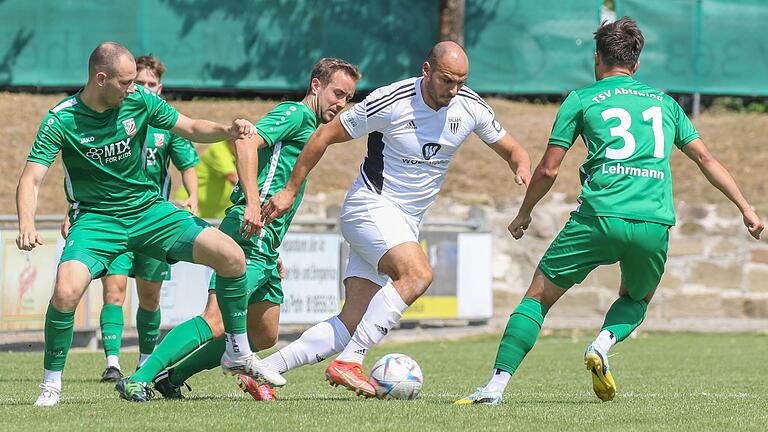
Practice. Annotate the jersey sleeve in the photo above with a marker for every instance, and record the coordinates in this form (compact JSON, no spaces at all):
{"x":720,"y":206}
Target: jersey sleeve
{"x":280,"y":124}
{"x":568,"y":123}
{"x":685,"y":132}
{"x":48,"y":141}
{"x":487,"y":127}
{"x":183,"y":153}
{"x":161,"y":114}
{"x":372,"y":114}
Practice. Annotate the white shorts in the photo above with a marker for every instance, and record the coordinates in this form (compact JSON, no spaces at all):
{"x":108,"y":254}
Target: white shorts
{"x":372,"y":225}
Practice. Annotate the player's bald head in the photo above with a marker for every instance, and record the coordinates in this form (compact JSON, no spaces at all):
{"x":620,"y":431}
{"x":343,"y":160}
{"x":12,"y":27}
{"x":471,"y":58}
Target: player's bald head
{"x":448,"y":54}
{"x":107,"y":57}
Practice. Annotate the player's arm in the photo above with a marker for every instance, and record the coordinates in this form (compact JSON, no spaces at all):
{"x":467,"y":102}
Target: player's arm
{"x":324,"y":136}
{"x":247,"y":151}
{"x":516,"y":156}
{"x":205,"y":131}
{"x":541,"y":182}
{"x":26,"y":204}
{"x":719,"y":177}
{"x":189,"y":180}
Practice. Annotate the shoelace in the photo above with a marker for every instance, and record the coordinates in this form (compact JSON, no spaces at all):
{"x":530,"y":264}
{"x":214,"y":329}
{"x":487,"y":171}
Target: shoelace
{"x":358,"y":371}
{"x":48,"y":391}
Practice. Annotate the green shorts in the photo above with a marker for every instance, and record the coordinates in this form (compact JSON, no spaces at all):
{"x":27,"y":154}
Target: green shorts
{"x":589,"y":241}
{"x":161,"y":231}
{"x":264,"y":282}
{"x":141,"y":266}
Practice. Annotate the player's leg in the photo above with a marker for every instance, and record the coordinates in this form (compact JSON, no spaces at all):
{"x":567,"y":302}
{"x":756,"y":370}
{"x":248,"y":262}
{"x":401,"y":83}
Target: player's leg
{"x":181,"y":341}
{"x":87,"y":254}
{"x":385,"y":242}
{"x":642,"y":266}
{"x":150,"y":274}
{"x":263,"y":318}
{"x":263,"y":329}
{"x":519,"y":337}
{"x":328,"y":337}
{"x":581,"y":245}
{"x":111,"y":318}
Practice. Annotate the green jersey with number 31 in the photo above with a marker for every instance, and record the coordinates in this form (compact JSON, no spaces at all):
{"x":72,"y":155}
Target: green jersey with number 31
{"x":629,"y":130}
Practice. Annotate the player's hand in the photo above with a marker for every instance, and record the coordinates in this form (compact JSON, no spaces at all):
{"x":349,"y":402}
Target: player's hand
{"x":241,"y":129}
{"x":28,"y":240}
{"x":189,"y":204}
{"x":519,"y":225}
{"x":523,"y":177}
{"x":753,"y":223}
{"x":277,"y":206}
{"x":65,"y":227}
{"x":252,"y":224}
{"x":280,"y":267}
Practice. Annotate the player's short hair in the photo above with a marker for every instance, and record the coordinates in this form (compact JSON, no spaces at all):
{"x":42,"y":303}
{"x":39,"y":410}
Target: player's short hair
{"x":620,"y":42}
{"x":326,"y":67}
{"x":439,"y":50}
{"x":106,"y":57}
{"x":151,"y":62}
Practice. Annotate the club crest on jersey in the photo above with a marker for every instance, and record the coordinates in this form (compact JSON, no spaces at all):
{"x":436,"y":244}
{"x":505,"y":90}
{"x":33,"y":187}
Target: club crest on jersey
{"x":159,"y":139}
{"x":429,"y":150}
{"x":453,"y":124}
{"x":130,"y":126}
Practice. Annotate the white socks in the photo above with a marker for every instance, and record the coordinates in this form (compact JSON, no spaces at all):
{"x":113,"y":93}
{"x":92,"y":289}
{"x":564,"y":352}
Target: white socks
{"x":316,"y":344}
{"x":113,"y":361}
{"x":605,"y":340}
{"x":499,"y":381}
{"x":142,"y":358}
{"x":237,"y":345}
{"x":52,"y":378}
{"x":384,"y":311}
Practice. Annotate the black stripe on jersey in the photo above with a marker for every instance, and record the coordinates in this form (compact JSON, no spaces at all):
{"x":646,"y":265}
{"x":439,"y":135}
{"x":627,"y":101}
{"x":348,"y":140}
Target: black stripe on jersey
{"x":385,"y":102}
{"x":405,"y":96}
{"x":477,"y":99}
{"x":373,"y":165}
{"x":365,"y":178}
{"x":372,"y":104}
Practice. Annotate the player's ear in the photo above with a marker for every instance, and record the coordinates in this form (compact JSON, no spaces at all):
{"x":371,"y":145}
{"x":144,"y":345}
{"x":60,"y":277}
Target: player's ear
{"x":425,"y":68}
{"x":101,"y":78}
{"x":159,"y":89}
{"x":637,"y":66}
{"x":315,"y":86}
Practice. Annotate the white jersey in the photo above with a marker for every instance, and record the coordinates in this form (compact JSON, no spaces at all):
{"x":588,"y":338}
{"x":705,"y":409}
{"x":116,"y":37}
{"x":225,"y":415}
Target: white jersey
{"x":410,"y":144}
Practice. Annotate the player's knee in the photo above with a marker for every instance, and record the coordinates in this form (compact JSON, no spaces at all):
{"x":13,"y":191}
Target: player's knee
{"x":418,"y":279}
{"x":232,"y":262}
{"x":65,"y":298}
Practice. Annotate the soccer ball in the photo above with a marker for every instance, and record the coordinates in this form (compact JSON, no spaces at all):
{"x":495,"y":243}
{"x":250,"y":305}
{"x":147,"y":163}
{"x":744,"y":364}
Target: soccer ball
{"x":396,"y":376}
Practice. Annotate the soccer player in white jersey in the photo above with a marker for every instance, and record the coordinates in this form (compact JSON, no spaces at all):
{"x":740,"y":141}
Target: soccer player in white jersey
{"x":414,"y":128}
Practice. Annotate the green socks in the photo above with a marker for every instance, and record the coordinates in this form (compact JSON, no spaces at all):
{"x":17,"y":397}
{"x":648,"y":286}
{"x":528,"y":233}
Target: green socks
{"x":177,"y":344}
{"x":232,"y":296}
{"x":520,"y":335}
{"x":111,"y":321}
{"x":624,"y":316}
{"x":207,"y":357}
{"x":58,"y":337}
{"x":148,"y":327}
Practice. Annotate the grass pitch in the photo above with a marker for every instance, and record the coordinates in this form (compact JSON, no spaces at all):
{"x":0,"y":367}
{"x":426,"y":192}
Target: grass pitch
{"x":689,"y":382}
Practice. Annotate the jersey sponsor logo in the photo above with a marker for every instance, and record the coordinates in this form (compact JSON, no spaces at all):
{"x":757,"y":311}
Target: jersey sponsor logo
{"x":624,"y":170}
{"x":453,"y":124}
{"x":130,"y":126}
{"x":151,"y":156}
{"x":410,"y":125}
{"x":349,"y":117}
{"x":85,"y":140}
{"x":159,"y":139}
{"x":496,"y":125}
{"x":111,"y":152}
{"x":429,"y":150}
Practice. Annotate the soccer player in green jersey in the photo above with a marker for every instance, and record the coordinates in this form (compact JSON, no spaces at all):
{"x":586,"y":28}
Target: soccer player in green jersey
{"x":625,"y":207}
{"x":264,"y":164}
{"x":162,"y":148}
{"x":115,"y":208}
